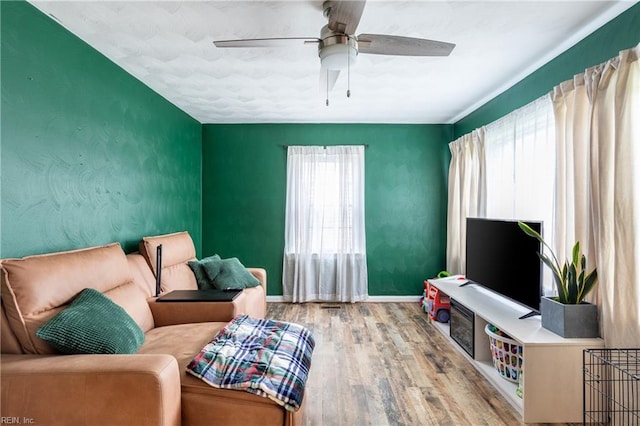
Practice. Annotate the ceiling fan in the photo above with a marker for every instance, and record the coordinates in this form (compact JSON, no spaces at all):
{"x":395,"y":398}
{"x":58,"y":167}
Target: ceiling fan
{"x":338,"y":46}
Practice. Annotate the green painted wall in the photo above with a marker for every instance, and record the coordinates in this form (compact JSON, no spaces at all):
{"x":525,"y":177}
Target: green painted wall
{"x":619,"y":34}
{"x":244,"y":184}
{"x":89,"y":154}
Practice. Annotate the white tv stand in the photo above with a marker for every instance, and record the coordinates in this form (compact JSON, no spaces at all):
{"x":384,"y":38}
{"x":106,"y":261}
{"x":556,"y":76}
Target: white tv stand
{"x":552,"y":365}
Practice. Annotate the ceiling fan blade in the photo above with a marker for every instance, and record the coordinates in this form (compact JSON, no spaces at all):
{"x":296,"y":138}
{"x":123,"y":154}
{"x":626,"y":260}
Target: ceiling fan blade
{"x":344,"y":16}
{"x":268,"y":42}
{"x":380,"y":44}
{"x":328,"y":79}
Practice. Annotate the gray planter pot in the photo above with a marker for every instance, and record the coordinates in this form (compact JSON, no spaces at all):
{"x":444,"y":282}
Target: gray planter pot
{"x":569,"y":320}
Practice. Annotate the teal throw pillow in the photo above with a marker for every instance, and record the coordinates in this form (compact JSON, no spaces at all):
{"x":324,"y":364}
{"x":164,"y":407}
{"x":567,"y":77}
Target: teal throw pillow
{"x":197,"y":266}
{"x":92,"y":324}
{"x":230,"y":273}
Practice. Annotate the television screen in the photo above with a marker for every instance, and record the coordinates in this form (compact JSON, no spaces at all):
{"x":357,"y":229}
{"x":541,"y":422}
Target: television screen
{"x":502,"y":258}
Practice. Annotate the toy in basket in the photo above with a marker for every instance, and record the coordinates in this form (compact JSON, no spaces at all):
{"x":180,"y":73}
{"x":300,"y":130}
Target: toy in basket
{"x":506,"y":353}
{"x":436,"y":303}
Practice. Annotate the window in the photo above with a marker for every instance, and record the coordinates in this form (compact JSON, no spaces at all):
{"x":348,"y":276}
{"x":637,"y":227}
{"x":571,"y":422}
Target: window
{"x":327,"y":208}
{"x":325,"y":249}
{"x":520,"y":164}
{"x":330,"y":200}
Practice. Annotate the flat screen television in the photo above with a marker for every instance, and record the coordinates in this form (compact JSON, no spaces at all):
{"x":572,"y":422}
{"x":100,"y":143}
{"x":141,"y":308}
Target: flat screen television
{"x":502,"y":258}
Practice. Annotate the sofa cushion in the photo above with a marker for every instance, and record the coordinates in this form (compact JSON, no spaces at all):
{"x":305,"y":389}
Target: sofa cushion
{"x":35,"y":288}
{"x":177,"y":250}
{"x":92,"y":324}
{"x":197,"y":266}
{"x":203,"y":404}
{"x":9,"y":343}
{"x":229,"y":273}
{"x":141,"y":274}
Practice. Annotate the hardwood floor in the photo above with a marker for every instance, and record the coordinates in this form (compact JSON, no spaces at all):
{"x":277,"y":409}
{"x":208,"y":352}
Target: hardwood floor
{"x":385,"y":364}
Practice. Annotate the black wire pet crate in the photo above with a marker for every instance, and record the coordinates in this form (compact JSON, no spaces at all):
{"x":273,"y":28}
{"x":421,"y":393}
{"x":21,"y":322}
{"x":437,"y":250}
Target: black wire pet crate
{"x":611,"y":387}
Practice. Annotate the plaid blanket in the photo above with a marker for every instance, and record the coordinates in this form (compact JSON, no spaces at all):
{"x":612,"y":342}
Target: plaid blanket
{"x":264,"y":357}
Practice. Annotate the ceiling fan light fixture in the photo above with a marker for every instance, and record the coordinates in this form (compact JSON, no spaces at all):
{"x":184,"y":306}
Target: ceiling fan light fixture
{"x":339,"y":46}
{"x":338,"y":56}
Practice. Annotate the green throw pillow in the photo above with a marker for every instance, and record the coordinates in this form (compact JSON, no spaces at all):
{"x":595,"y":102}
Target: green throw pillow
{"x":92,"y":324}
{"x":201,"y":277}
{"x":230,"y":273}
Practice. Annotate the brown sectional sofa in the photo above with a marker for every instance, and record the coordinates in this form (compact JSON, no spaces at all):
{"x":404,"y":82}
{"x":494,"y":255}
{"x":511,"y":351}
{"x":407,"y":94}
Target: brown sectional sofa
{"x":149,"y":387}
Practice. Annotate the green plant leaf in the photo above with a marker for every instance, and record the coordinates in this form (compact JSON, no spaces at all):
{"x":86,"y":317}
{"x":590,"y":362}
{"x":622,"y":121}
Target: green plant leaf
{"x":549,"y":262}
{"x":572,"y":285}
{"x":589,"y":284}
{"x":557,"y":277}
{"x":565,"y":279}
{"x":554,"y":264}
{"x":562,"y":297}
{"x":576,"y":253}
{"x":530,"y":232}
{"x":580,"y":282}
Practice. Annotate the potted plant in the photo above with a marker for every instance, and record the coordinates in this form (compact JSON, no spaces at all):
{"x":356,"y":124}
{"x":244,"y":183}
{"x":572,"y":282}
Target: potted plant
{"x":568,"y":314}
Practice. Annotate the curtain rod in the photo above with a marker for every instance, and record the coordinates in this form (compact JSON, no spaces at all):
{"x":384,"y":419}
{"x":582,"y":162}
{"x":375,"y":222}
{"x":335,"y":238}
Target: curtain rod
{"x":325,"y":146}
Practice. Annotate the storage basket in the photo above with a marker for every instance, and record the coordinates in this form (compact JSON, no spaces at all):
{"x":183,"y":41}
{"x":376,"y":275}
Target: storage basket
{"x":506,"y":354}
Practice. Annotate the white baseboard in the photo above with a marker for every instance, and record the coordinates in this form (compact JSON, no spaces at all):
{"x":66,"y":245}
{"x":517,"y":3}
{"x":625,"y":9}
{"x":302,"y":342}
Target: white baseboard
{"x":371,"y":299}
{"x":276,"y":299}
{"x":376,"y":299}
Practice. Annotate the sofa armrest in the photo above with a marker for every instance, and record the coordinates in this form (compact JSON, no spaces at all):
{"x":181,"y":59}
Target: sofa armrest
{"x":261,"y":275}
{"x":91,"y":389}
{"x":173,"y":313}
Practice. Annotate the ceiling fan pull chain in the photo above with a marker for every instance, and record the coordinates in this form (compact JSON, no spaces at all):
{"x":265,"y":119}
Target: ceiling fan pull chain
{"x":348,"y":71}
{"x":327,"y":101}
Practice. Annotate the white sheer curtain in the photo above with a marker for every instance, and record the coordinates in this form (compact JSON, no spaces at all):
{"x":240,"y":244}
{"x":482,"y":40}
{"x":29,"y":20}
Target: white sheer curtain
{"x":520,"y":161}
{"x":467,"y":192}
{"x":520,"y":168}
{"x":325,"y":245}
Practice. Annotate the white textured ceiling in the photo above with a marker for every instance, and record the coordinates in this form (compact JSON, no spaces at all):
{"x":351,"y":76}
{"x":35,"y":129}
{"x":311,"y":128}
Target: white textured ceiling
{"x":168,"y":45}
